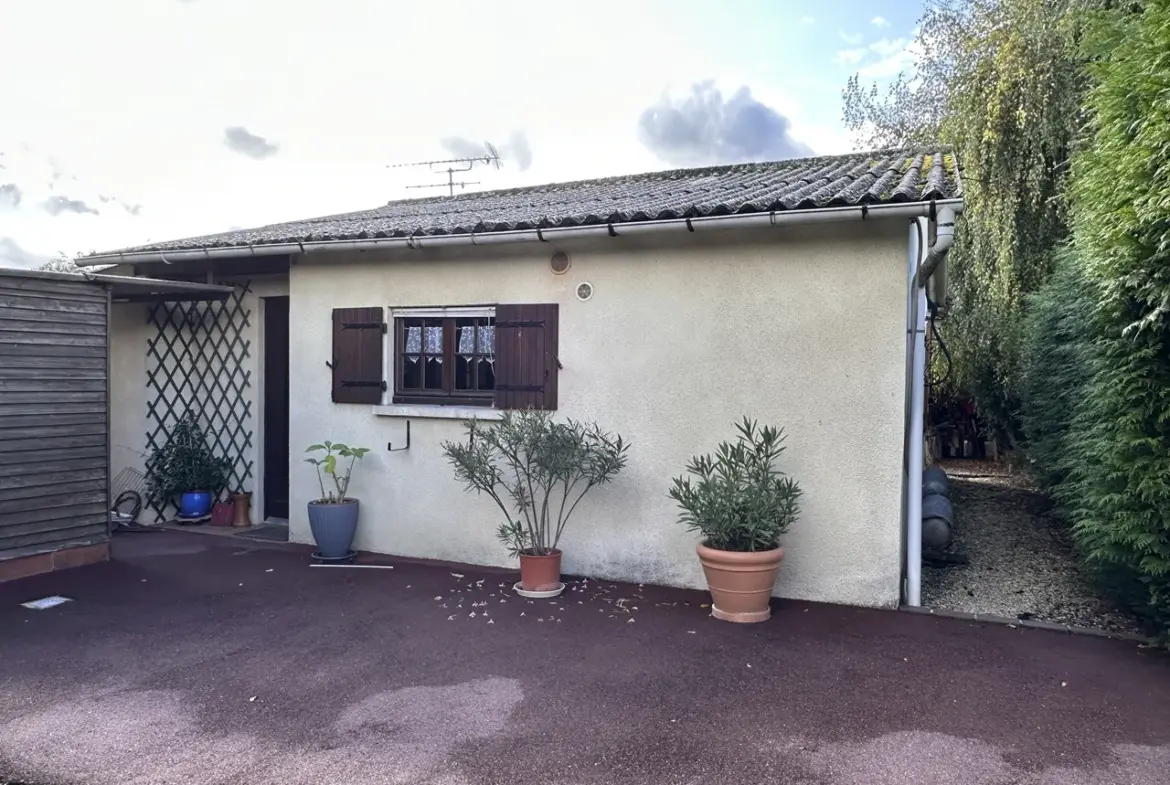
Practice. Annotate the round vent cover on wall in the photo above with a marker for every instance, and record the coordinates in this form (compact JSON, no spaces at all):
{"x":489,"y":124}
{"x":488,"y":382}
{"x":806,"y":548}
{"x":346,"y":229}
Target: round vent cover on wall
{"x":559,"y":263}
{"x":584,"y":291}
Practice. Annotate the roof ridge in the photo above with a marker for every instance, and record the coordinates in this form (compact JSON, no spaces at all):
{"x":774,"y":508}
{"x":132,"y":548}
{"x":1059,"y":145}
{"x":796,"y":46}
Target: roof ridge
{"x":700,"y":171}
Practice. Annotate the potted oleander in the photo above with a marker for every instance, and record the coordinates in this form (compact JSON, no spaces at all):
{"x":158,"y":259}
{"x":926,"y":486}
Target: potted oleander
{"x":333,"y":517}
{"x":537,"y":470}
{"x":741,"y":505}
{"x":184,"y":472}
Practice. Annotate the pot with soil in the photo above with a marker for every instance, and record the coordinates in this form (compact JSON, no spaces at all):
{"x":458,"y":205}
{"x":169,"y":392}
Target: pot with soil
{"x":333,"y":518}
{"x":741,"y":505}
{"x":536,"y":469}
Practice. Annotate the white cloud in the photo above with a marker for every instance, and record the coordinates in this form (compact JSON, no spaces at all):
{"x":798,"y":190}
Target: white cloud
{"x":701,"y":127}
{"x":850,"y":38}
{"x":807,"y":20}
{"x":897,"y":56}
{"x":851,"y":56}
{"x":12,"y":255}
{"x":887,"y":47}
{"x":153,"y":156}
{"x":879,"y":21}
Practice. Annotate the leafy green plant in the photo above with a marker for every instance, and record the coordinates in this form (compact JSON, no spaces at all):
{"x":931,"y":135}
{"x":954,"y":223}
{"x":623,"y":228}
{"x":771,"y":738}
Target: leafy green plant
{"x":184,"y":464}
{"x":327,"y":465}
{"x":739,"y":500}
{"x":536,"y":470}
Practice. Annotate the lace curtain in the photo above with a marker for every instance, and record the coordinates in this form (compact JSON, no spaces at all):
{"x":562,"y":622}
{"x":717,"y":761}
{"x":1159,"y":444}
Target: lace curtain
{"x":487,"y":340}
{"x":433,"y":337}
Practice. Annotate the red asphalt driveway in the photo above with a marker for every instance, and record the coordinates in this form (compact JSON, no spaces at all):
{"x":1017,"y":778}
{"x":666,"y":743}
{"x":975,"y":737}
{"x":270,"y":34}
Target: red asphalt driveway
{"x":193,"y":658}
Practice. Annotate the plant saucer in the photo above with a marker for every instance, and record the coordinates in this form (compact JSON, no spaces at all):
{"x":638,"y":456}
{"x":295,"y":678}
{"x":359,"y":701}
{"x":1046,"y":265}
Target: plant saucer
{"x":538,"y":595}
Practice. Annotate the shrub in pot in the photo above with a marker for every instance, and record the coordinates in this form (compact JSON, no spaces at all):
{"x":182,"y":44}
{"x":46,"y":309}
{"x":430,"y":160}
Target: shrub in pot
{"x":333,"y":517}
{"x":536,"y":470}
{"x":741,"y":505}
{"x":185,"y":472}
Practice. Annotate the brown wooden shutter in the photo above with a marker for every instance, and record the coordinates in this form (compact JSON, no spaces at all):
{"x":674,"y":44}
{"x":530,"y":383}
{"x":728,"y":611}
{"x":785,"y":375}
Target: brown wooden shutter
{"x":357,"y":355}
{"x":526,"y":356}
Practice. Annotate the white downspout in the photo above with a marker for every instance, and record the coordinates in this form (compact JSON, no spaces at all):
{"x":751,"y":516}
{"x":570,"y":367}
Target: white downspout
{"x":918,"y":275}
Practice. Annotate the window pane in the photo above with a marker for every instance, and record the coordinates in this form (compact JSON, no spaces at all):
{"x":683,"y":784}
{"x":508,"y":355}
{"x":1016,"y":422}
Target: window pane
{"x":465,"y":336}
{"x":412,"y":336}
{"x":487,"y":337}
{"x":434,"y":337}
{"x":464,"y":372}
{"x":433,"y":373}
{"x":411,"y":372}
{"x":486,"y":374}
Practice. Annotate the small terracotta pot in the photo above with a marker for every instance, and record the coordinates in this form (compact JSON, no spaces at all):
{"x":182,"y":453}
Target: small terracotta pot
{"x":740,"y":583}
{"x":221,"y":514}
{"x":540,"y":573}
{"x":242,"y":502}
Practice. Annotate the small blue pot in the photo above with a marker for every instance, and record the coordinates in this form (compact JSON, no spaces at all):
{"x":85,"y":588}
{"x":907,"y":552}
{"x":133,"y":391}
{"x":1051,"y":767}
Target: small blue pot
{"x":195,"y":504}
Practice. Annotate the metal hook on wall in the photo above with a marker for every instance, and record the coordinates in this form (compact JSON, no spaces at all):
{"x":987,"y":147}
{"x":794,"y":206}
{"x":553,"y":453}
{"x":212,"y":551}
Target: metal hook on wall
{"x":390,"y":445}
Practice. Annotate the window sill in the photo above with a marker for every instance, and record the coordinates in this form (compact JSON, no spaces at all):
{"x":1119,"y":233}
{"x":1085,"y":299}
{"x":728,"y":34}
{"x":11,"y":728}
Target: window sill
{"x":438,"y":412}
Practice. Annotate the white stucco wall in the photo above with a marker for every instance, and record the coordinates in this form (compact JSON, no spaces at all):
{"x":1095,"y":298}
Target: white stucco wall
{"x":802,"y":328}
{"x":129,"y":334}
{"x":130,"y":395}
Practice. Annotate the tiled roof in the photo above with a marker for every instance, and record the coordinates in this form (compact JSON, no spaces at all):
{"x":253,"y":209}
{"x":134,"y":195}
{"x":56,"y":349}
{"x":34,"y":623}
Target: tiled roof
{"x":880,"y":177}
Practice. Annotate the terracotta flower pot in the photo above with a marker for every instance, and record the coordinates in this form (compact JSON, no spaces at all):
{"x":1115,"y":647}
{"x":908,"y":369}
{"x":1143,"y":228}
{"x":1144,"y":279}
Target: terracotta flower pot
{"x":740,"y":583}
{"x":242,"y":507}
{"x":540,"y":573}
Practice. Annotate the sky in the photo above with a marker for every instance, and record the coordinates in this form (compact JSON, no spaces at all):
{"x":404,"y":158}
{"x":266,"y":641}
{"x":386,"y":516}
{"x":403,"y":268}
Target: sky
{"x":133,"y":121}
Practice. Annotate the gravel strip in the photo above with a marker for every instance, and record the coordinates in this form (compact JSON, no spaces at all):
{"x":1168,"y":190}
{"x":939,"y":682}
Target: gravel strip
{"x":1022,"y":562}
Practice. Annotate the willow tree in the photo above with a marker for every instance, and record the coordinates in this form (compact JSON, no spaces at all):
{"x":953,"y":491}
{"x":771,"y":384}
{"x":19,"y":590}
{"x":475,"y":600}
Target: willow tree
{"x":1001,"y":81}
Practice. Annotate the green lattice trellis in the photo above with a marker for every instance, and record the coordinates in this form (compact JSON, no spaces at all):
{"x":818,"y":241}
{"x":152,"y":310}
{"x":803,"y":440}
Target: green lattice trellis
{"x":195,"y":364}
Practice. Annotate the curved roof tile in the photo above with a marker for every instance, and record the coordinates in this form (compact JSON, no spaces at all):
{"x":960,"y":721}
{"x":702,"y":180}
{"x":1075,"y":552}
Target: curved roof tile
{"x":883,"y":176}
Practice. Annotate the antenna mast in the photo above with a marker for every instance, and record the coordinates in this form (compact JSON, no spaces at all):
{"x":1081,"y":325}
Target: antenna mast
{"x":491,"y":157}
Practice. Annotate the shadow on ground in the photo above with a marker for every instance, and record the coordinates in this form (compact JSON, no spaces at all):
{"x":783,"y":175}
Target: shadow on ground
{"x":195,"y":658}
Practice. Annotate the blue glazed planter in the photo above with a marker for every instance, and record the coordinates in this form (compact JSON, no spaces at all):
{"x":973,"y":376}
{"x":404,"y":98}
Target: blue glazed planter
{"x":333,"y":526}
{"x":195,"y":504}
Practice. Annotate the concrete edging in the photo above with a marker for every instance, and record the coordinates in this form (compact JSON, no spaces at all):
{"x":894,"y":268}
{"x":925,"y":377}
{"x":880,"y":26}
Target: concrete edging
{"x":1031,"y":624}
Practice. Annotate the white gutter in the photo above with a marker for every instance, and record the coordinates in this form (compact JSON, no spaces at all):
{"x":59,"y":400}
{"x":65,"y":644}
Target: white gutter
{"x":918,"y":274}
{"x":721,"y":222}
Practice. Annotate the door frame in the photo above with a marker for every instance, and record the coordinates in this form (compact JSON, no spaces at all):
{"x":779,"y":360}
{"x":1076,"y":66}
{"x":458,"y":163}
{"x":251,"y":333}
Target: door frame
{"x":260,"y":497}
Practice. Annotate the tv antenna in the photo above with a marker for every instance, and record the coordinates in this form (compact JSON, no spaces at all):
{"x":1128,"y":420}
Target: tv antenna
{"x":491,"y":157}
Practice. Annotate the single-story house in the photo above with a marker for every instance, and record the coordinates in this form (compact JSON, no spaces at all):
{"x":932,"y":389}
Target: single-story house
{"x":55,"y":478}
{"x":663,"y":306}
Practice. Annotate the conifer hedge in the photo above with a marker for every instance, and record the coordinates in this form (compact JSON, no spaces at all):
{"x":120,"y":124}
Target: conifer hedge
{"x":1114,"y":474}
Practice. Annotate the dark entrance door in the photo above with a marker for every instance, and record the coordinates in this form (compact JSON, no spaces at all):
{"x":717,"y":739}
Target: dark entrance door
{"x":276,"y":455}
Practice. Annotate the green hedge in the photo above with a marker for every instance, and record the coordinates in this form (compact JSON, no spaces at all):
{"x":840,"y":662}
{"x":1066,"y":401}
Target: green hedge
{"x":1056,"y":362}
{"x":1116,"y":483}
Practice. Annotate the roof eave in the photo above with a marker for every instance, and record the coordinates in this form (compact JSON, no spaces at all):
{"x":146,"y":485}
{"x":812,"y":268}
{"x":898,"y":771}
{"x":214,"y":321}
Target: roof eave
{"x":718,"y":222}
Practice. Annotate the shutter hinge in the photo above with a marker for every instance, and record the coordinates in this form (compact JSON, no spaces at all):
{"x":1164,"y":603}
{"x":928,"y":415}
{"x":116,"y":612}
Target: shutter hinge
{"x":364,"y":326}
{"x":348,"y":383}
{"x":520,"y":323}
